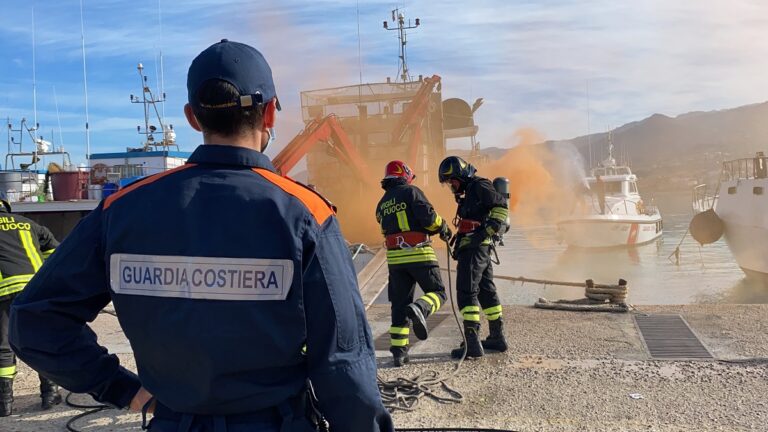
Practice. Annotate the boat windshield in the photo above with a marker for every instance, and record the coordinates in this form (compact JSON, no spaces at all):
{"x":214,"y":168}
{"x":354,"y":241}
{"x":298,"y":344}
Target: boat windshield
{"x":611,"y":187}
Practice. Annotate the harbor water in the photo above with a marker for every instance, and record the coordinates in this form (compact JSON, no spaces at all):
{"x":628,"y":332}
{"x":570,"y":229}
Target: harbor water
{"x":707,"y":274}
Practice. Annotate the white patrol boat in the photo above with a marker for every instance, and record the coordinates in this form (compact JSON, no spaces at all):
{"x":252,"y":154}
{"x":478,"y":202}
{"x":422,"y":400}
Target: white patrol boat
{"x":611,"y":213}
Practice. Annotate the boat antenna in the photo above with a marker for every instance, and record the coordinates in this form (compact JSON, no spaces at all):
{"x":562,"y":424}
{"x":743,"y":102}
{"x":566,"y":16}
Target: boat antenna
{"x":589,"y":135}
{"x":160,"y":48}
{"x":398,"y":17}
{"x":85,"y":86}
{"x":359,"y":56}
{"x":10,"y":129}
{"x":34,"y":75}
{"x":149,"y":101}
{"x":58,"y":118}
{"x":610,"y":160}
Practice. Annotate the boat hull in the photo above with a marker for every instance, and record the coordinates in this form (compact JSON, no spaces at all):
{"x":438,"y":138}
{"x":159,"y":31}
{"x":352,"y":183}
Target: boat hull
{"x":744,"y":211}
{"x":606,"y":233}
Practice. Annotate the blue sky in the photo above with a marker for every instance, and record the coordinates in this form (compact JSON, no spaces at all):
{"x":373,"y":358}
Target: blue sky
{"x":531,"y":60}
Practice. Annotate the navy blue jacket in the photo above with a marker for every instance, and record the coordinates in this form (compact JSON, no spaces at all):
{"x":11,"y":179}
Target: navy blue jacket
{"x":197,"y":261}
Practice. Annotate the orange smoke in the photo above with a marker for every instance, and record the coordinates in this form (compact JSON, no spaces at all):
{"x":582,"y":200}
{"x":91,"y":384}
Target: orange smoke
{"x":542,"y":179}
{"x":544,"y":186}
{"x":357,"y":206}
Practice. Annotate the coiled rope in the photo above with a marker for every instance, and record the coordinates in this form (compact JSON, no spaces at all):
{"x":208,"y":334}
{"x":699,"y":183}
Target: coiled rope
{"x":403,"y":394}
{"x":597,"y":297}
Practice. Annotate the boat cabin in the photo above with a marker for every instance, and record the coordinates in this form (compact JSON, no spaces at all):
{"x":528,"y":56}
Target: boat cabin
{"x":617,"y":183}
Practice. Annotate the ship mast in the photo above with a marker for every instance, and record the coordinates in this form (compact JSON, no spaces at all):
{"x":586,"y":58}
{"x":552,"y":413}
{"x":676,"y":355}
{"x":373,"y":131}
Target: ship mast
{"x":150,"y":104}
{"x":398,"y":17}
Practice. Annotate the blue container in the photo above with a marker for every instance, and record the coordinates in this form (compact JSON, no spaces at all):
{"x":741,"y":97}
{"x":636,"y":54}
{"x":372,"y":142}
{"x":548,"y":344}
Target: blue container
{"x":109,"y":189}
{"x":128,"y":180}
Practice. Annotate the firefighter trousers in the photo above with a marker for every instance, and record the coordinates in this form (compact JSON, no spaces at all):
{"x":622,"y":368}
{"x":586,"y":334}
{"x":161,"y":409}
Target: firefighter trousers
{"x":402,"y":285}
{"x":474,"y":285}
{"x":7,"y":358}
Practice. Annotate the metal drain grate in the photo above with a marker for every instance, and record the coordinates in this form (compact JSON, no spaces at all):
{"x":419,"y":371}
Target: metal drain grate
{"x":669,"y":337}
{"x":381,"y":343}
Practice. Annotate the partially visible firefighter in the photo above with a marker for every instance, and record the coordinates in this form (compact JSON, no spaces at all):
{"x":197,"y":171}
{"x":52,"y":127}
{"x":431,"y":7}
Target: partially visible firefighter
{"x":407,"y":221}
{"x":24,"y":245}
{"x":480,"y":218}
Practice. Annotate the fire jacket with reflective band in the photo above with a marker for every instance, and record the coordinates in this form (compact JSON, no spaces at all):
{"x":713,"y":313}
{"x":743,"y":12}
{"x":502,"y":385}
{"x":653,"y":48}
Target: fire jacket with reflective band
{"x":482,"y":203}
{"x":24,"y":245}
{"x":220,"y":272}
{"x":405,"y":208}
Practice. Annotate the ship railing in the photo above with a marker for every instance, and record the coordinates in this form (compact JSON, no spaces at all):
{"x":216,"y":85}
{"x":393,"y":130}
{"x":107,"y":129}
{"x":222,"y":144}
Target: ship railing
{"x":650,"y":210}
{"x":640,"y":207}
{"x":615,"y":207}
{"x":703,"y":198}
{"x":746,"y":168}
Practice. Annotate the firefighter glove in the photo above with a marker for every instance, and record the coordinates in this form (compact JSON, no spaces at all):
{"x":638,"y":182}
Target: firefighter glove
{"x":445,"y":232}
{"x":471,"y":240}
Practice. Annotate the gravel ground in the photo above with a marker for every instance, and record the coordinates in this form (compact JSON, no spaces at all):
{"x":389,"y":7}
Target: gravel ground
{"x":564,"y":372}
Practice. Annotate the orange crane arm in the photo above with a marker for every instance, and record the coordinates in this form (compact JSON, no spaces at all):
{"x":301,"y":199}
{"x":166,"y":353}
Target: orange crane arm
{"x":329,"y":130}
{"x":413,"y":117}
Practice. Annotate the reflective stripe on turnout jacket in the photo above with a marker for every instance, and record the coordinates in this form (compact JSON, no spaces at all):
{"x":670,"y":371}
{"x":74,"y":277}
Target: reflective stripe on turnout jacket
{"x":405,"y":208}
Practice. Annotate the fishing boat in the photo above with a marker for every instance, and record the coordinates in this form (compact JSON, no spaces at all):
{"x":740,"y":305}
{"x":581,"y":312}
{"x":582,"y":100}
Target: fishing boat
{"x":737,"y":212}
{"x":59,"y":198}
{"x":611,"y":212}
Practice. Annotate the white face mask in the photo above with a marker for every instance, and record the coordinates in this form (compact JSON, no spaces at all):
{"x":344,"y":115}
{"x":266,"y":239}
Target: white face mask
{"x":270,"y":140}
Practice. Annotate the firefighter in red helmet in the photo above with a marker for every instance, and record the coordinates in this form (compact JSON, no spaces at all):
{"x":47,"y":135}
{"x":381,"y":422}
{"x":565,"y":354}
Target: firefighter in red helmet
{"x":407,"y":221}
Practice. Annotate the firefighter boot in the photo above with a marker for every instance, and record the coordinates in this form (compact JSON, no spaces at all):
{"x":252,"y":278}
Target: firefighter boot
{"x":49,"y":393}
{"x":6,"y":396}
{"x":495,"y":341}
{"x":400,"y":355}
{"x":474,"y":348}
{"x":418,"y":319}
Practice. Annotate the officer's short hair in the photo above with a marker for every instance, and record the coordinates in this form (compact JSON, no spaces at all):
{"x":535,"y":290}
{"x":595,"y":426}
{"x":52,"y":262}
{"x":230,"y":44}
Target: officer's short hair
{"x":226,"y":121}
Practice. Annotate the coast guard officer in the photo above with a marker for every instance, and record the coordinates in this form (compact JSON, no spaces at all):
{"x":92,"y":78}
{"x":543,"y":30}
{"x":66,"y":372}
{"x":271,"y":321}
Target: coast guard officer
{"x":233,"y":284}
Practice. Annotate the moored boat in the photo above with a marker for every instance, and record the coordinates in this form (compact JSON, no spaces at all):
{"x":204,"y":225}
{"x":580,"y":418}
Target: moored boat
{"x":737,"y":211}
{"x":611,"y":213}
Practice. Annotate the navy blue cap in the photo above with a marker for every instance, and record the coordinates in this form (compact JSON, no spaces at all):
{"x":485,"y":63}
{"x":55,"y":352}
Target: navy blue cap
{"x":238,"y":64}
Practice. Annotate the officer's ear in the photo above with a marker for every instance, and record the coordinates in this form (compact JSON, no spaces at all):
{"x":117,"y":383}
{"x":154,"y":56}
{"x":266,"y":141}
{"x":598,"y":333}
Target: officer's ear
{"x":191,"y":118}
{"x":269,"y":114}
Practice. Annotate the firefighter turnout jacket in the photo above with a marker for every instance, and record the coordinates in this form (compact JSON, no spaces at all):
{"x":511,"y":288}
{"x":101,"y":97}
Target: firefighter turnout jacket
{"x":233,"y":285}
{"x":24,"y":245}
{"x":407,"y":220}
{"x":482,"y":213}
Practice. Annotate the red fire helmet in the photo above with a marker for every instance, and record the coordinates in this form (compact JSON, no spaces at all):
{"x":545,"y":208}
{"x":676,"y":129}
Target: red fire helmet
{"x":399,"y":169}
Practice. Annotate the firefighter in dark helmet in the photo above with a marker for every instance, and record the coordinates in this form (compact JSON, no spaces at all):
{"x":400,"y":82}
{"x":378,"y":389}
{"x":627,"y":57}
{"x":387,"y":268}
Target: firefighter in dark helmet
{"x":24,"y":246}
{"x":407,"y":221}
{"x":481,"y":214}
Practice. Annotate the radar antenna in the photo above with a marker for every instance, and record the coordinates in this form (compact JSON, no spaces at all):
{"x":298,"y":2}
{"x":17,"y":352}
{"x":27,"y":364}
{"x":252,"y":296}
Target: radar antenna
{"x":398,"y":17}
{"x":150,"y":102}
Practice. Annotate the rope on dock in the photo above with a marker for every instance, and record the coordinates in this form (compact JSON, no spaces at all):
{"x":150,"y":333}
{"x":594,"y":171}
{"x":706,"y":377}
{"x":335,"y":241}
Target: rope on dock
{"x":598,"y":297}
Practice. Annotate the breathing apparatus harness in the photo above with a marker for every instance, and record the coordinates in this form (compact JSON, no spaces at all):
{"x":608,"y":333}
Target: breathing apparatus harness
{"x":466,"y":226}
{"x":407,"y":240}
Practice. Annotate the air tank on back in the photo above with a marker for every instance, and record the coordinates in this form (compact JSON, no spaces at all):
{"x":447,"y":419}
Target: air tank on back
{"x":501,"y":184}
